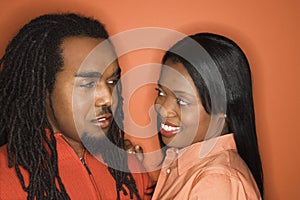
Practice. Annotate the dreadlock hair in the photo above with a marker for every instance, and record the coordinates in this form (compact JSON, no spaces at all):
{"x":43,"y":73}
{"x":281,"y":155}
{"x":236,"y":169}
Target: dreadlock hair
{"x":28,"y":71}
{"x":234,"y":69}
{"x":114,"y":155}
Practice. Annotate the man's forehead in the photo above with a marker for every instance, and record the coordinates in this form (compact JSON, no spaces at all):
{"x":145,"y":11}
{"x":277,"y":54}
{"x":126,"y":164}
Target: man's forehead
{"x":103,"y":51}
{"x":99,"y":61}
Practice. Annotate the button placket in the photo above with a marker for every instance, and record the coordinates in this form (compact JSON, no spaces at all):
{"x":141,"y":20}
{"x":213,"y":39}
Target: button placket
{"x":172,"y":160}
{"x":168,"y":171}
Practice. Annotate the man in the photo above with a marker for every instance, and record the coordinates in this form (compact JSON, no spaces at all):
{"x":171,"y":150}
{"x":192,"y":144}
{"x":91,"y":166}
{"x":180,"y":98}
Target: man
{"x":50,"y":103}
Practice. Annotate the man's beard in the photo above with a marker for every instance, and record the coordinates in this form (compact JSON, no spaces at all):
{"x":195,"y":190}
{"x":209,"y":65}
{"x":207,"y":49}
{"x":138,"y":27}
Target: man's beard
{"x":97,"y":144}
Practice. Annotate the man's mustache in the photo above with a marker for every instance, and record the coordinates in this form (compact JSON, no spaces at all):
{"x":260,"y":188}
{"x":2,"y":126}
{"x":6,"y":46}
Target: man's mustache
{"x":105,"y":110}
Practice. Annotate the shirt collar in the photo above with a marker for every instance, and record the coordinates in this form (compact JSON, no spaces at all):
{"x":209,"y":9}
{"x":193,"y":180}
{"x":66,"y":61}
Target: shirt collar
{"x":192,"y":154}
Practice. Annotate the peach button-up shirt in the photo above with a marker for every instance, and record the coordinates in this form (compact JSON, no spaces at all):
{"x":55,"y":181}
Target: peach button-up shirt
{"x":206,"y":170}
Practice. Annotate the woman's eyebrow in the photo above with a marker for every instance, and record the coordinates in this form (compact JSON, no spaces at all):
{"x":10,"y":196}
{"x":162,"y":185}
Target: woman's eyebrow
{"x":184,"y":93}
{"x":177,"y":91}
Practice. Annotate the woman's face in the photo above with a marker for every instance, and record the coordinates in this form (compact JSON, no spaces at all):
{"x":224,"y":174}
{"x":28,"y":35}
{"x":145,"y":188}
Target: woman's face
{"x":183,"y":119}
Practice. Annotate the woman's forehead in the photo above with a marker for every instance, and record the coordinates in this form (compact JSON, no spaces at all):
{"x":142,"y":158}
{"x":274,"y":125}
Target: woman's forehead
{"x":175,"y":77}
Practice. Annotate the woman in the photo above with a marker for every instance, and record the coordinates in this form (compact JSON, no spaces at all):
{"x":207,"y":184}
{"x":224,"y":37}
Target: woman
{"x":206,"y":116}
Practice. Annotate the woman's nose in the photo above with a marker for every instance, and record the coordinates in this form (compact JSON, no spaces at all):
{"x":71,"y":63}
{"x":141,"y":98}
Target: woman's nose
{"x":166,"y":108}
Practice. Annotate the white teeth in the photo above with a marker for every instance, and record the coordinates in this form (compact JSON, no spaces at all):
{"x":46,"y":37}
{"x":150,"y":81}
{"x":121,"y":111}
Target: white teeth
{"x":101,"y":119}
{"x":169,"y":128}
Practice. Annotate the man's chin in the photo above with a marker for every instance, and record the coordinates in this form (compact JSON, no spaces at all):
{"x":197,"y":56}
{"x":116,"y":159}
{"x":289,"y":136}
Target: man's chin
{"x":95,"y":143}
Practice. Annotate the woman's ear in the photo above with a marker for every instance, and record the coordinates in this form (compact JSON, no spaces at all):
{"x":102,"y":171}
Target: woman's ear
{"x":217,"y":126}
{"x":225,"y":126}
{"x":221,"y":123}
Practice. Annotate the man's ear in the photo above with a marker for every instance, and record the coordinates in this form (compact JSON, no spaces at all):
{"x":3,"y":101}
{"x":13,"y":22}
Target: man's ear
{"x":50,"y":112}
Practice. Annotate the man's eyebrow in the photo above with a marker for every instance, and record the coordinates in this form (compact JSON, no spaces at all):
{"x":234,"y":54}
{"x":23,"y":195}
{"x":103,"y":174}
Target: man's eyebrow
{"x":88,"y":75}
{"x":117,"y":72}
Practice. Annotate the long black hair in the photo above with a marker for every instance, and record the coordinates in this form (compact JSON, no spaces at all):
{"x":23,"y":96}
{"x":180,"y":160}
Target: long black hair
{"x":28,"y":69}
{"x":234,"y":69}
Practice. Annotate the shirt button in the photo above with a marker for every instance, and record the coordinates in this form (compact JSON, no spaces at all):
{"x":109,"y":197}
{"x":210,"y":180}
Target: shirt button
{"x":168,"y":171}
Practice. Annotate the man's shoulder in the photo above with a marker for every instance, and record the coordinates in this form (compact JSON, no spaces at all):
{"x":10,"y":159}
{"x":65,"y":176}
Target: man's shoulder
{"x":3,"y":156}
{"x":142,"y":179}
{"x":5,"y":171}
{"x":10,"y":187}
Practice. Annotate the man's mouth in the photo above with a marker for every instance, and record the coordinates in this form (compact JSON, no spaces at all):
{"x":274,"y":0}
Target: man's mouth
{"x":103,"y":121}
{"x":169,"y":129}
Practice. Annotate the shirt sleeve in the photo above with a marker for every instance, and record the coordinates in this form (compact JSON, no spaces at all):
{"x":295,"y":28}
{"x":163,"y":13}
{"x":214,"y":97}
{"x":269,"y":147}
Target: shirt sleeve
{"x":148,"y":189}
{"x":220,"y":187}
{"x":142,"y":179}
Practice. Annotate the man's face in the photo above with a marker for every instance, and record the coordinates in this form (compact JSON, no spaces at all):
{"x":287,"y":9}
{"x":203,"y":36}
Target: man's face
{"x":84,"y":91}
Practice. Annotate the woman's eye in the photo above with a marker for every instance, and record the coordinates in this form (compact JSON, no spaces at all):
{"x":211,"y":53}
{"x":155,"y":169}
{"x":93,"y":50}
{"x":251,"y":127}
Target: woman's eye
{"x":89,"y":84}
{"x":160,"y":92}
{"x":182,"y":102}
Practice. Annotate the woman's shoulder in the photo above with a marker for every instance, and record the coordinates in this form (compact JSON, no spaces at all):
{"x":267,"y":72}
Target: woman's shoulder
{"x":227,"y":172}
{"x":227,"y":162}
{"x":223,"y":186}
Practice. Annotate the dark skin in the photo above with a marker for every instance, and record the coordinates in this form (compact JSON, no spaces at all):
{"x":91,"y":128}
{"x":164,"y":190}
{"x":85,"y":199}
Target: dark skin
{"x":81,"y":92}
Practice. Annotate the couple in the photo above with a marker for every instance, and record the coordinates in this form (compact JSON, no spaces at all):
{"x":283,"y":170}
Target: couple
{"x":54,"y":109}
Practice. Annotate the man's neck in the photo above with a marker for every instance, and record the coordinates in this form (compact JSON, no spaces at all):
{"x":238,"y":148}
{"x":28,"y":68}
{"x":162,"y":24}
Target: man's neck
{"x":76,"y":146}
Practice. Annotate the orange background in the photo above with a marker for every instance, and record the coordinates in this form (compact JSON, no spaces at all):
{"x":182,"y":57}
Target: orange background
{"x":268,"y":31}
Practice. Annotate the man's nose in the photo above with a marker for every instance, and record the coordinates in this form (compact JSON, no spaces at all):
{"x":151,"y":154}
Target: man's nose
{"x":103,"y":95}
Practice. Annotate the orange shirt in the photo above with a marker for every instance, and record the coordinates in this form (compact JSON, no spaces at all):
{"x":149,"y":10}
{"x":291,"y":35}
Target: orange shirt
{"x":78,"y":182}
{"x":206,"y":170}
